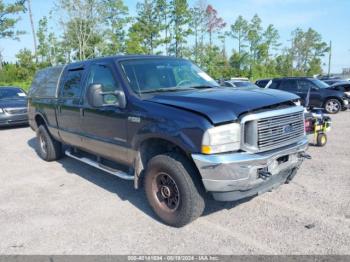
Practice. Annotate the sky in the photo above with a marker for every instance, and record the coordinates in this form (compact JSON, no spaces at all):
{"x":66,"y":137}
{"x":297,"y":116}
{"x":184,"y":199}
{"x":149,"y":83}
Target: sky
{"x":329,"y":17}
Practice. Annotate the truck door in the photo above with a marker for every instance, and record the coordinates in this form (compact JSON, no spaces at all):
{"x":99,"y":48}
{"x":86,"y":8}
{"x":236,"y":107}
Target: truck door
{"x":304,"y":86}
{"x":105,"y":128}
{"x":69,"y":106}
{"x":289,"y":85}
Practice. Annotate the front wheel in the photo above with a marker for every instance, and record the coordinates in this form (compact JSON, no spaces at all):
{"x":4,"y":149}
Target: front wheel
{"x":332,"y":106}
{"x":321,"y":139}
{"x":172,"y":190}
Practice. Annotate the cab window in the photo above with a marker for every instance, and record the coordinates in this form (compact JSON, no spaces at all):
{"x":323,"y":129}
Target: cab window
{"x":72,"y":84}
{"x":102,"y":74}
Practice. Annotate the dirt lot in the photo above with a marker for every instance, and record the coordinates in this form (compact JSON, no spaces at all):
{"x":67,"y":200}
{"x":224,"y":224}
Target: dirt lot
{"x":67,"y":207}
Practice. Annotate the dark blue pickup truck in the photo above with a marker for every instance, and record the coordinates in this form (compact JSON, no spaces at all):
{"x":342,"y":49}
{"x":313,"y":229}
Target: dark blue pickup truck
{"x":165,"y":124}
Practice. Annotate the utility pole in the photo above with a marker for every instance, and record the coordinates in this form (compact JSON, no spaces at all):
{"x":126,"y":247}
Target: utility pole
{"x":33,"y":29}
{"x":329,"y":58}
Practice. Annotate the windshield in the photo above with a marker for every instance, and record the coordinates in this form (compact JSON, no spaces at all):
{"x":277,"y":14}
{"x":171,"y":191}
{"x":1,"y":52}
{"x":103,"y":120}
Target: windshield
{"x":319,"y":83}
{"x":165,"y":75}
{"x":11,"y":93}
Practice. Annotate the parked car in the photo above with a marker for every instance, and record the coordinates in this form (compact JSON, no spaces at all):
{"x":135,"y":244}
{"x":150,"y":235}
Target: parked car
{"x":239,"y":79}
{"x":334,"y":81}
{"x":262,"y":82}
{"x":13,"y":106}
{"x":321,"y":95}
{"x":164,"y":123}
{"x":342,"y":86}
{"x":238,"y":84}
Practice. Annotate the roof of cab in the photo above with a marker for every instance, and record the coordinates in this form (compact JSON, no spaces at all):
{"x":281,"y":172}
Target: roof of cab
{"x":123,"y":57}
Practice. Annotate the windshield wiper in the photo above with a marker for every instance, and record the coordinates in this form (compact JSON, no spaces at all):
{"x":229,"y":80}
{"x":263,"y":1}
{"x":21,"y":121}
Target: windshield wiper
{"x":203,"y":87}
{"x":159,"y":90}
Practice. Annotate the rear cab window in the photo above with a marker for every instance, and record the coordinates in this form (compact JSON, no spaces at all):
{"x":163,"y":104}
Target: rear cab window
{"x":72,"y":85}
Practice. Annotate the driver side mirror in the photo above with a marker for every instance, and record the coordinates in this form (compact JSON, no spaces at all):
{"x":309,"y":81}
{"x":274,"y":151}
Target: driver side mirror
{"x":97,"y":98}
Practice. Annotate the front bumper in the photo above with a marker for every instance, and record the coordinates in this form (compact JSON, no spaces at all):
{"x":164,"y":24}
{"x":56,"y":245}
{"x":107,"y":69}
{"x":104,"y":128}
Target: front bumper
{"x":235,"y":176}
{"x":12,"y":120}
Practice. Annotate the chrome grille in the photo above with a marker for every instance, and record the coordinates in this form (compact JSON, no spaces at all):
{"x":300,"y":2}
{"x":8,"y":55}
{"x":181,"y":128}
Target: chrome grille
{"x":268,"y":130}
{"x":16,"y":111}
{"x":279,"y":130}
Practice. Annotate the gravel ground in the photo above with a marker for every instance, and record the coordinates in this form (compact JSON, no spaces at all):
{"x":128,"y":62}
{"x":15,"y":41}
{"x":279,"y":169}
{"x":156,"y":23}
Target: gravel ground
{"x":67,"y":207}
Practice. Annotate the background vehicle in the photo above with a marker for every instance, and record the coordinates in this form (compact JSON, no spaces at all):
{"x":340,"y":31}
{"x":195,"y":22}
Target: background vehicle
{"x":334,"y":81}
{"x":13,"y":106}
{"x":262,"y":82}
{"x":321,"y":95}
{"x":343,"y":87}
{"x":163,"y":121}
{"x":238,"y":83}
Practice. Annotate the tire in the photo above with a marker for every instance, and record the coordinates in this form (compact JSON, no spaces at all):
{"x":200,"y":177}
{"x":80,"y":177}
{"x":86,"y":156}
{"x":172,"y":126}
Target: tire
{"x":172,"y":191}
{"x":332,"y":106}
{"x":48,"y":148}
{"x":321,"y":139}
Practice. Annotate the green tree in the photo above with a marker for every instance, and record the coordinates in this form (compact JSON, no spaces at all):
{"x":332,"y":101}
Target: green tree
{"x":43,"y":49}
{"x":180,"y":18}
{"x":163,"y":14}
{"x":239,"y":32}
{"x":81,"y":21}
{"x":307,"y":49}
{"x":8,"y":20}
{"x":116,"y":18}
{"x":27,"y":65}
{"x":198,"y":25}
{"x":254,"y":37}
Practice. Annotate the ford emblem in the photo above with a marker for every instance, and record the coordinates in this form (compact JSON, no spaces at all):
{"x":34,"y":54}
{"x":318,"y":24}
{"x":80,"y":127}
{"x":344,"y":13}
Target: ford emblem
{"x":288,"y":129}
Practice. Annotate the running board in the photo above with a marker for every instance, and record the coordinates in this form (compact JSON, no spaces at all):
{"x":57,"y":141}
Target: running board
{"x":97,"y":165}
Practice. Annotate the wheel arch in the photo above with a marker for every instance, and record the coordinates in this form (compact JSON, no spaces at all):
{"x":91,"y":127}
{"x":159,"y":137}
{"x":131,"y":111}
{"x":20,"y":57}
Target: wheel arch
{"x":39,"y":119}
{"x":153,"y":146}
{"x":332,"y":97}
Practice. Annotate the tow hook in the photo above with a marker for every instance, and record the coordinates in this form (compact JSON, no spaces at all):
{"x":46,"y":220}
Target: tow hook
{"x":305,"y":156}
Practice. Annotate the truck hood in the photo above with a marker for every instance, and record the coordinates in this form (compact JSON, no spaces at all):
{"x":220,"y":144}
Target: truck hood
{"x":224,"y":104}
{"x":13,"y":103}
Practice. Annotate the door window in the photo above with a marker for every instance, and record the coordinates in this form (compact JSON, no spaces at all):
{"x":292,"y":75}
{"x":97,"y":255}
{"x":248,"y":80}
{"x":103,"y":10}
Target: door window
{"x":72,"y":84}
{"x":101,"y":74}
{"x":289,"y":84}
{"x":304,"y":85}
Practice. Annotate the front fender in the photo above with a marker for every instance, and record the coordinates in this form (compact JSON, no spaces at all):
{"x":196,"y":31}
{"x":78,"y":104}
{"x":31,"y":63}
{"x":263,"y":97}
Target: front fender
{"x":186,"y":138}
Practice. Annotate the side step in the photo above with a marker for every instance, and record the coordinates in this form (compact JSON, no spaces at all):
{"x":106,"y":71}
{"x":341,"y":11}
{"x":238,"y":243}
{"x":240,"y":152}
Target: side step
{"x":95,"y":164}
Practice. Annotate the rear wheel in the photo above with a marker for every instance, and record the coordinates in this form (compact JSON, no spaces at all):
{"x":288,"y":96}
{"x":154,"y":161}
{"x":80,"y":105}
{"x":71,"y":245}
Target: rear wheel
{"x":48,"y":148}
{"x":332,"y":106}
{"x":172,"y":191}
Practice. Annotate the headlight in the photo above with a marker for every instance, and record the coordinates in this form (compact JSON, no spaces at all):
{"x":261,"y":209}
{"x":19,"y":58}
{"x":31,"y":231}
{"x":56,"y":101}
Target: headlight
{"x":221,"y":139}
{"x":1,"y":111}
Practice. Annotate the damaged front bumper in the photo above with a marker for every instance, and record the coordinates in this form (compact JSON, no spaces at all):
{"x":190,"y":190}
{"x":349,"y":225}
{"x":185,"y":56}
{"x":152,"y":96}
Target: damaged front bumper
{"x":234,"y":176}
